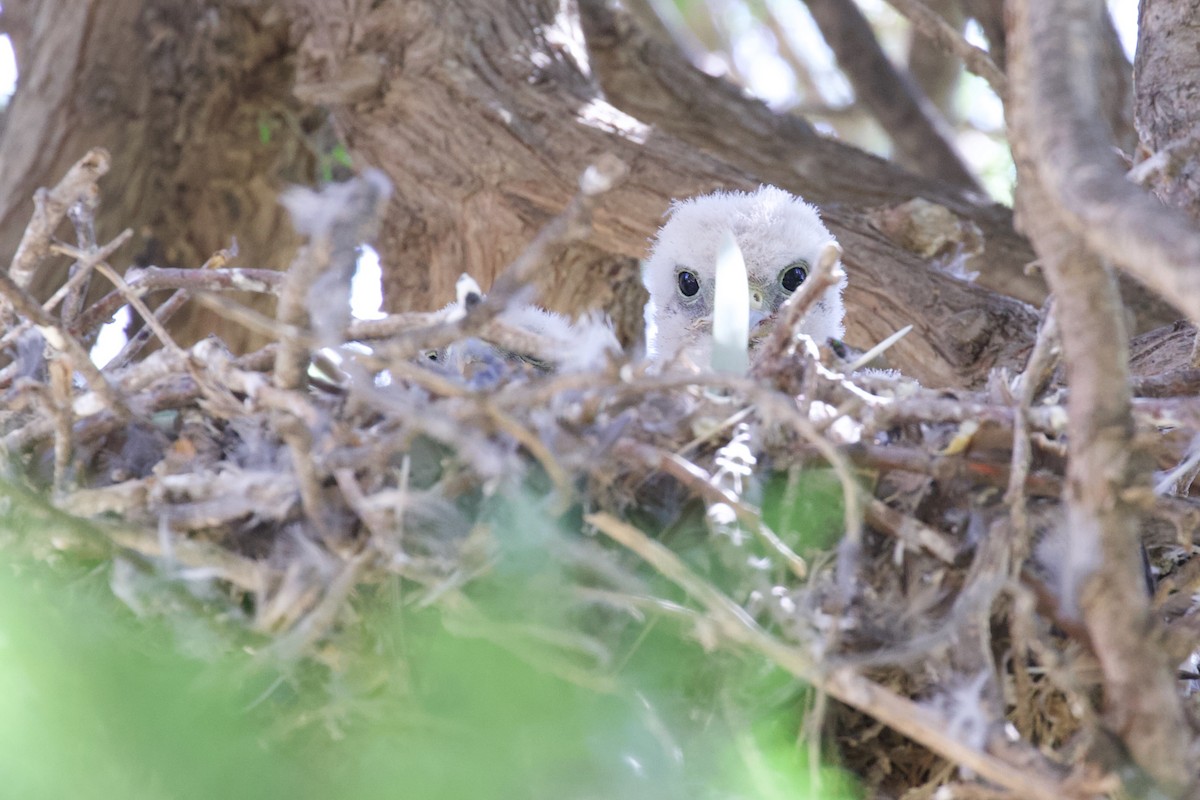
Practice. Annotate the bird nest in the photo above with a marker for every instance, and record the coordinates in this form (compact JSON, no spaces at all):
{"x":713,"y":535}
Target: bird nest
{"x":889,"y":545}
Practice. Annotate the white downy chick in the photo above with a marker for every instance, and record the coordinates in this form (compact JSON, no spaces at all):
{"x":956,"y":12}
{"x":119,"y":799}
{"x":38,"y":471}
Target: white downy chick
{"x":780,"y":237}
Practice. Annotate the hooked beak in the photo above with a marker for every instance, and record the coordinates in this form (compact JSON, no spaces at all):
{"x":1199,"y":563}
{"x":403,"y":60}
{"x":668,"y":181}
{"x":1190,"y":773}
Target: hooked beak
{"x":757,"y":312}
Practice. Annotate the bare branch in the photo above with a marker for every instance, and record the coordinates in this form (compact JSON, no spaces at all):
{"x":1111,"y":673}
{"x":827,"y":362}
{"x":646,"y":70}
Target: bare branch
{"x":921,"y":136}
{"x":1031,"y":381}
{"x":1102,"y":568}
{"x":62,"y":340}
{"x":149,"y":279}
{"x":573,"y":223}
{"x":931,"y":24}
{"x":919,"y":723}
{"x":51,"y":207}
{"x":1074,"y":160}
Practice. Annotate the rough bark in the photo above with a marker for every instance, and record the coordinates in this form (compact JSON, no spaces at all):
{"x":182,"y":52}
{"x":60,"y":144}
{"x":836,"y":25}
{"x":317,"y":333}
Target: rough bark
{"x":192,"y":100}
{"x":1054,"y":84}
{"x":1167,"y":102}
{"x":484,"y":146}
{"x":652,"y":81}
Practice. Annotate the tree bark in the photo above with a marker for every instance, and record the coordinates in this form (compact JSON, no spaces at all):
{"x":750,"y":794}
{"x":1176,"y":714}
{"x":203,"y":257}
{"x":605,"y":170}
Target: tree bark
{"x":1167,"y":102}
{"x":990,"y":16}
{"x":483,"y":147}
{"x":193,"y":101}
{"x":484,"y":129}
{"x":1054,"y":80}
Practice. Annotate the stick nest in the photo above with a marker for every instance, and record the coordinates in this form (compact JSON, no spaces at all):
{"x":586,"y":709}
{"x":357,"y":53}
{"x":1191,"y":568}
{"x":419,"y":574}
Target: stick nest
{"x":891,"y":545}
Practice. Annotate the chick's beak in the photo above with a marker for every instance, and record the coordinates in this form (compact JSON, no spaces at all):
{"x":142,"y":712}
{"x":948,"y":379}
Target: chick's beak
{"x":757,"y":312}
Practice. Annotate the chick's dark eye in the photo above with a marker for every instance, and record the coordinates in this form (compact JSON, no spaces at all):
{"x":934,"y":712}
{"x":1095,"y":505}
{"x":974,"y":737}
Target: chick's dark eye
{"x":688,"y":283}
{"x":793,"y":276}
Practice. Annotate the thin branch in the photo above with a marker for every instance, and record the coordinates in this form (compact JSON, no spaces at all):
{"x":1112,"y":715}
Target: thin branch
{"x":164,"y":311}
{"x":931,"y":25}
{"x":51,"y":207}
{"x":908,"y":116}
{"x":1031,"y":381}
{"x":918,"y":722}
{"x":701,"y":483}
{"x":572,"y":224}
{"x":29,"y":308}
{"x":148,"y":279}
{"x":1053,"y":74}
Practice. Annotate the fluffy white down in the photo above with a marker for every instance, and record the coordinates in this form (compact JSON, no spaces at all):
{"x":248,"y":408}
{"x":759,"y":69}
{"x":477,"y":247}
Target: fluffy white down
{"x":585,"y":344}
{"x":774,"y":230}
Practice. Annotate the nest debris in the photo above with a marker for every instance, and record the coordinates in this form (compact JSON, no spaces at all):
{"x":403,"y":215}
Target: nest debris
{"x":949,"y":648}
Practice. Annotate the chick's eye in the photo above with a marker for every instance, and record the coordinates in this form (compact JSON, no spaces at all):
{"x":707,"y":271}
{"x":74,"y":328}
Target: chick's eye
{"x":688,"y":283}
{"x":793,"y":276}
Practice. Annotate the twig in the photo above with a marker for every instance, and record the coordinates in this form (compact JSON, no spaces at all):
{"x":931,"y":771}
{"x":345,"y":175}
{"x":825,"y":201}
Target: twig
{"x":909,"y":530}
{"x":917,"y":722}
{"x":50,"y":207}
{"x":77,"y":279}
{"x":59,"y":396}
{"x":571,"y":225}
{"x":701,"y":482}
{"x":152,"y":322}
{"x":825,"y":274}
{"x":933,"y":26}
{"x":253,"y":320}
{"x":148,"y":279}
{"x":878,"y":350}
{"x":25,"y":305}
{"x":960,"y":468}
{"x":322,"y":617}
{"x":1030,"y":382}
{"x":538,"y":449}
{"x":164,"y":311}
{"x":83,"y":216}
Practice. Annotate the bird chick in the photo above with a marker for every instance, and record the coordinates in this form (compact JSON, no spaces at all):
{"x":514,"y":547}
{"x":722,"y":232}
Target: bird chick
{"x":523,"y":336}
{"x":780,"y":237}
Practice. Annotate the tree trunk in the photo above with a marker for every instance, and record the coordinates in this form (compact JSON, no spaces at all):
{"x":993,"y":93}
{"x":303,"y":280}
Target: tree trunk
{"x":1167,"y":77}
{"x":192,"y":99}
{"x":484,"y":146}
{"x":484,"y":128}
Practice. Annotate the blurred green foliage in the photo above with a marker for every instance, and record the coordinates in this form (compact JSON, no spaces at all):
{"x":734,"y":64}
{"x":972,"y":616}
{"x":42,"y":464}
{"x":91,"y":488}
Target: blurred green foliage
{"x":97,"y":703}
{"x":805,"y":508}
